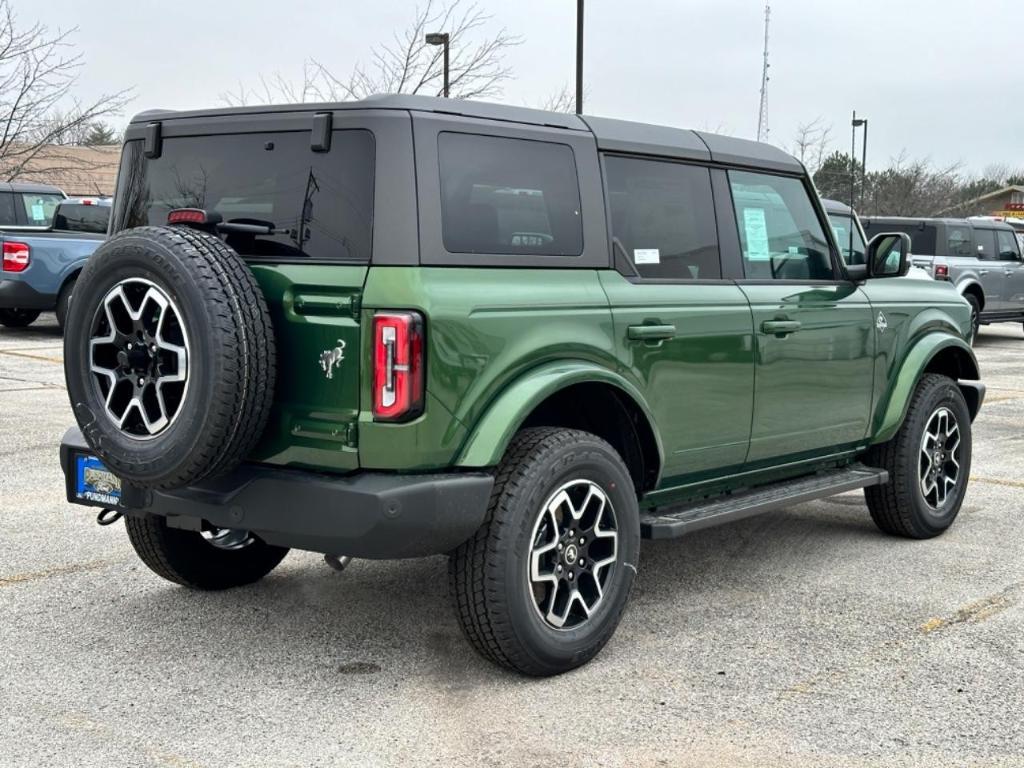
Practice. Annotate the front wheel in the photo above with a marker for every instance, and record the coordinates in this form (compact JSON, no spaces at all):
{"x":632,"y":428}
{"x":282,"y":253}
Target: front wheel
{"x":929,"y":462}
{"x":215,"y":558}
{"x":18,"y":318}
{"x":541,"y":587}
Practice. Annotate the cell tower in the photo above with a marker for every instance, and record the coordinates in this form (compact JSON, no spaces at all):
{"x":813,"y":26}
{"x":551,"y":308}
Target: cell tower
{"x":762,"y":115}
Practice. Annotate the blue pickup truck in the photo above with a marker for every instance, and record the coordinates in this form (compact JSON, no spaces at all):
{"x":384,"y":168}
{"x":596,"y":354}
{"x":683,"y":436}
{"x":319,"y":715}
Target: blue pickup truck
{"x":46,"y":238}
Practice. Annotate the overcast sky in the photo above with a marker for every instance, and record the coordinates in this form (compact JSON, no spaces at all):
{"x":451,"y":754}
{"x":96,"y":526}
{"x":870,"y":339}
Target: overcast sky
{"x":934,"y":78}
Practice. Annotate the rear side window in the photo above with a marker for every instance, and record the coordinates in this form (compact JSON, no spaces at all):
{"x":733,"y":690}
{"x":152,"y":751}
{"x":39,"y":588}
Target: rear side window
{"x":319,"y":203}
{"x":508,"y":196}
{"x":986,"y":239}
{"x":780,"y":234}
{"x":958,"y":241}
{"x":7,"y":217}
{"x":663,"y":215}
{"x":75,"y":217}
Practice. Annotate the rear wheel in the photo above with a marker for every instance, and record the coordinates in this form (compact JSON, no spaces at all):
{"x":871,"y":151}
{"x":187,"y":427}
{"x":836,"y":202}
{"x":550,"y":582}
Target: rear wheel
{"x":929,"y":462}
{"x":217,"y":558}
{"x":18,"y":318}
{"x":541,"y":586}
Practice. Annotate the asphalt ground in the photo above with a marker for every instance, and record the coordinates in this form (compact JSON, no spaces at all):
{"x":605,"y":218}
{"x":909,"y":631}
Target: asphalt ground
{"x":799,"y":638}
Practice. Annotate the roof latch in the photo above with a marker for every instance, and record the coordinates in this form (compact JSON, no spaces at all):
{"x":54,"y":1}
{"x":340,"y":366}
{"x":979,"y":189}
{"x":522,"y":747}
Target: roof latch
{"x":320,"y":141}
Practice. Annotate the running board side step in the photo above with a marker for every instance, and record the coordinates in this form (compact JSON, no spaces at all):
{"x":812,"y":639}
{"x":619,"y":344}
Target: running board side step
{"x":671,"y":522}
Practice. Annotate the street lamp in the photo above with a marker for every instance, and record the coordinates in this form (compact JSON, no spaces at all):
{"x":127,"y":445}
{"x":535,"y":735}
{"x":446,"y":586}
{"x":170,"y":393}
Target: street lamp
{"x":441,"y":38}
{"x":855,"y":123}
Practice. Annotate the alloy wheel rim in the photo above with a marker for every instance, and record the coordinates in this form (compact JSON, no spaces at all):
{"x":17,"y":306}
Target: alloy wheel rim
{"x":139,"y":358}
{"x":939,"y":460}
{"x":227,"y":538}
{"x":573,"y":551}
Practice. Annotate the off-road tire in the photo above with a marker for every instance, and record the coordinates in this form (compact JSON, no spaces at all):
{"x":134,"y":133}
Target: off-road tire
{"x":232,"y":360}
{"x":185,"y":558}
{"x":64,"y":303}
{"x":975,"y":315}
{"x":488,"y":574}
{"x":898,"y":507}
{"x":18,"y":318}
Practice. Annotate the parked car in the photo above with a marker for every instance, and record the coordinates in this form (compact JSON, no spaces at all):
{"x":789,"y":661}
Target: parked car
{"x":981,"y":257}
{"x":45,"y":245}
{"x":408,"y":326}
{"x":850,"y":235}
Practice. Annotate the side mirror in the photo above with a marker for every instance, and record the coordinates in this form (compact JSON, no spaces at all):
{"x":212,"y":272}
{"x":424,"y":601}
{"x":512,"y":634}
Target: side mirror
{"x":888,"y":255}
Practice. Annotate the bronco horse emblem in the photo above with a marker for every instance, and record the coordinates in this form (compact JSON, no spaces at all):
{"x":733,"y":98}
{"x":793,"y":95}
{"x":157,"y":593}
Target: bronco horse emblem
{"x":331,"y":358}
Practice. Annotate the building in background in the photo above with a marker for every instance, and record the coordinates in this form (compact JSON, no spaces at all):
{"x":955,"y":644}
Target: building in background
{"x":1007,"y":202}
{"x":79,"y":171}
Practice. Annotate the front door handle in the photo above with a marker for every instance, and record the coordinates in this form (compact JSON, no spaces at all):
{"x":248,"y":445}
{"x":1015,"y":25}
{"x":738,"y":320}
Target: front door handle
{"x":982,"y":271}
{"x":651,"y":332}
{"x":1008,"y":272}
{"x":780,"y":327}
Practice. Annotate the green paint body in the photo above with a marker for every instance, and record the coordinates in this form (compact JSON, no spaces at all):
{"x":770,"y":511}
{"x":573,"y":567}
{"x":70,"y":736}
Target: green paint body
{"x":727,"y":402}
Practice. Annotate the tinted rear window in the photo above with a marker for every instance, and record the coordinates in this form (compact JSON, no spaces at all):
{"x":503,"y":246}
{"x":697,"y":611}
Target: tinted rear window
{"x":322,"y":202}
{"x":923,"y":238}
{"x":7,"y":217}
{"x":75,"y":217}
{"x":509,"y":196}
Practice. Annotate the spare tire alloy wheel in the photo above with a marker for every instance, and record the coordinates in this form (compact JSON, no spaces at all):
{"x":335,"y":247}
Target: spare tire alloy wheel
{"x":575,"y":545}
{"x":139,"y":354}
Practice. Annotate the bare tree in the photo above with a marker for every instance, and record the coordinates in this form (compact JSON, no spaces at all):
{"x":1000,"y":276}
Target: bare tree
{"x":38,"y":71}
{"x":406,"y":64}
{"x":812,"y":142}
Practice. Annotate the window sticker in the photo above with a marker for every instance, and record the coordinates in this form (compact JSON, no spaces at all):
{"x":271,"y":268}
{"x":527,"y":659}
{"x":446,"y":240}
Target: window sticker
{"x":38,"y":214}
{"x":757,"y":234}
{"x":646,"y":256}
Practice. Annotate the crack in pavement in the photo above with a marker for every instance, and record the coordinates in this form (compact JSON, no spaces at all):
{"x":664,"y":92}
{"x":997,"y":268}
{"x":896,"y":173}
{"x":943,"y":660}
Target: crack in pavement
{"x":977,"y":611}
{"x":49,"y":573}
{"x":30,"y":356}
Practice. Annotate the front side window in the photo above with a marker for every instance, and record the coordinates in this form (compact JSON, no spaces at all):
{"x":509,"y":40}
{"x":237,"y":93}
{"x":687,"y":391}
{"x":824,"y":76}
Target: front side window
{"x":663,"y":215}
{"x":508,"y":196}
{"x":851,"y":244}
{"x":39,"y":208}
{"x":780,"y":234}
{"x":1007,"y":244}
{"x":319,"y":204}
{"x":959,"y":241}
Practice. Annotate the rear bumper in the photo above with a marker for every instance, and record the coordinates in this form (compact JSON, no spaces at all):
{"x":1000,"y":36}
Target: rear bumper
{"x":15,"y":294}
{"x":369,"y":515}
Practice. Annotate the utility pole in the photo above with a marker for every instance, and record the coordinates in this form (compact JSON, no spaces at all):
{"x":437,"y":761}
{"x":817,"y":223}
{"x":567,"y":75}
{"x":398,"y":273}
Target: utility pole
{"x":762,"y":114}
{"x":579,"y":57}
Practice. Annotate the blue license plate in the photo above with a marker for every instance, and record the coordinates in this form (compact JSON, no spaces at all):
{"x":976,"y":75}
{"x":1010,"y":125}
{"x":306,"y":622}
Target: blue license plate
{"x":96,"y":484}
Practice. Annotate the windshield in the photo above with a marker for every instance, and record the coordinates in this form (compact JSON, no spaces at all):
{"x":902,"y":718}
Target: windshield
{"x":843,"y":226}
{"x":40,"y":207}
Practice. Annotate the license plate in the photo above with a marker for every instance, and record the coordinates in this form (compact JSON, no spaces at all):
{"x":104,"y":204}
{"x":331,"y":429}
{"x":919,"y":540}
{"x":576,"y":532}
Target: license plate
{"x":94,"y":483}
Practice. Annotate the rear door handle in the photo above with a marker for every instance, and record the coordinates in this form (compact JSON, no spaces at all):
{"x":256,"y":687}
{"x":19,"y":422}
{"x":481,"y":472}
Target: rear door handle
{"x":651,"y":332}
{"x":780,"y":327}
{"x":982,"y":271}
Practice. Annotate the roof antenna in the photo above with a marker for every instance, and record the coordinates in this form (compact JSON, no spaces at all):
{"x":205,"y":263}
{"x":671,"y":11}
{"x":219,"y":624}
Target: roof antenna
{"x":762,"y":115}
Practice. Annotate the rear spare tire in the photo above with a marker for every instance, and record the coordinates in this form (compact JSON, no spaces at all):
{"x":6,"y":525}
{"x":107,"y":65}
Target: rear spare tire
{"x":169,"y":356}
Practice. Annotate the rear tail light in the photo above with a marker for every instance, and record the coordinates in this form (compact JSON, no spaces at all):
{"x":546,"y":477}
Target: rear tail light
{"x":397,"y":366}
{"x":942,"y":272}
{"x":16,"y":256}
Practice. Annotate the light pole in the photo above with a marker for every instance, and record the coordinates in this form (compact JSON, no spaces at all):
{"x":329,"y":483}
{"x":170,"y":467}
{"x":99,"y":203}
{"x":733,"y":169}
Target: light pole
{"x":856,"y":123}
{"x":441,"y":38}
{"x":579,"y":57}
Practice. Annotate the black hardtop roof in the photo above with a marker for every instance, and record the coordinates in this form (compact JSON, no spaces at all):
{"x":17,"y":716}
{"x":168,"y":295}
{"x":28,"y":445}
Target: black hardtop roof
{"x":921,"y":221}
{"x":610,"y":134}
{"x":31,"y":187}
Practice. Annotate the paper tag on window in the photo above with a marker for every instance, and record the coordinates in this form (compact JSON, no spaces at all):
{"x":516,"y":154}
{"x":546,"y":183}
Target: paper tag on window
{"x":646,"y":256}
{"x":38,"y":214}
{"x":756,"y":230}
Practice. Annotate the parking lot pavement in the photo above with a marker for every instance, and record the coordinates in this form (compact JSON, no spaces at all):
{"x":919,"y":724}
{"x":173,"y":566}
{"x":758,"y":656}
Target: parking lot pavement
{"x":803,"y":637}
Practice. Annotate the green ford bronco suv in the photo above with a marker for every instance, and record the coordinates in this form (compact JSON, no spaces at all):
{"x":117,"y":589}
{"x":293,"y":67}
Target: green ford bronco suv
{"x":408,"y":326}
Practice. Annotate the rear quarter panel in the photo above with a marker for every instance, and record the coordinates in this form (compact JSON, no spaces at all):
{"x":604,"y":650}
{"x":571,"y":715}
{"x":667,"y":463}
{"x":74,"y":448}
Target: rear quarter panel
{"x":54,"y":257}
{"x":485,"y":328}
